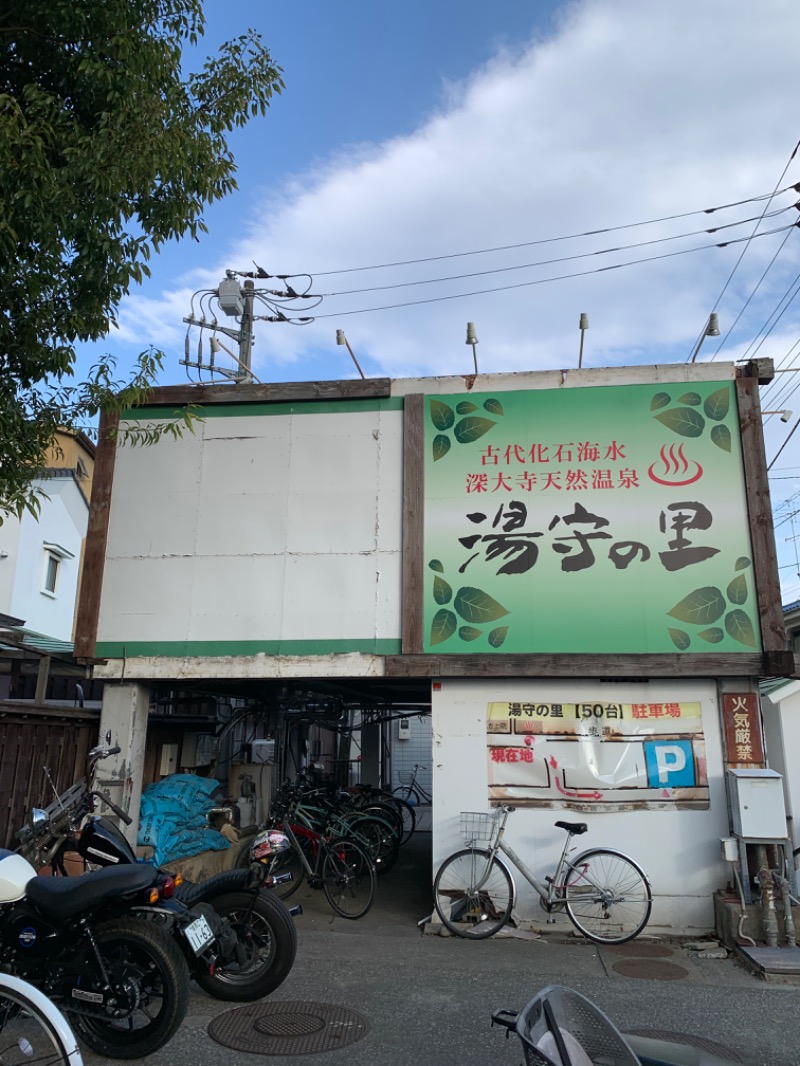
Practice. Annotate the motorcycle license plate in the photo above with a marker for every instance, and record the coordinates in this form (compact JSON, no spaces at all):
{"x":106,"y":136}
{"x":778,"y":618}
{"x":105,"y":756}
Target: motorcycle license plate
{"x":199,"y":935}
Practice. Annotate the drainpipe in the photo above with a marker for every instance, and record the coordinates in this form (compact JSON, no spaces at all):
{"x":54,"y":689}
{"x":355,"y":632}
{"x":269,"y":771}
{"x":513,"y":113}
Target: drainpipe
{"x":769,"y":915}
{"x":789,"y":935}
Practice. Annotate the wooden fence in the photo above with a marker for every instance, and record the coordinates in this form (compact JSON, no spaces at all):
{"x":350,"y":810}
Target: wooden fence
{"x":32,"y":738}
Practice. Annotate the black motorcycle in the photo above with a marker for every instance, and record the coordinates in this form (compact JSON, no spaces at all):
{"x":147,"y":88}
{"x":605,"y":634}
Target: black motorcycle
{"x":122,"y":981}
{"x":239,"y":942}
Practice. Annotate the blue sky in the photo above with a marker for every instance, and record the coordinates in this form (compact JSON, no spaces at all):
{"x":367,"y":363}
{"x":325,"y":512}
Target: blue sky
{"x":429,"y":129}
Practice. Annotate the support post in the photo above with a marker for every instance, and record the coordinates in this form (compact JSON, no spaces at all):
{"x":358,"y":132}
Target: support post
{"x":124,"y":716}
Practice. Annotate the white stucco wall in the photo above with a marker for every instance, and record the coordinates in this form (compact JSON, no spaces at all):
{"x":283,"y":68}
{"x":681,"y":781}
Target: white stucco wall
{"x":63,"y":520}
{"x":10,"y":532}
{"x":678,"y":849}
{"x":781,"y":715}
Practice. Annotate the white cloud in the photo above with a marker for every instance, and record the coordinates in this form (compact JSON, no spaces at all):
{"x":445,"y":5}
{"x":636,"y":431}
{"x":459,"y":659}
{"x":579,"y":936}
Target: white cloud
{"x":628,"y":111}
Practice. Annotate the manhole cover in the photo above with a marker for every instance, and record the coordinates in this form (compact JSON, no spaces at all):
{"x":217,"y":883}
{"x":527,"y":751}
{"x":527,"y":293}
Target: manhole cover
{"x":643,"y":951}
{"x":711,"y":1046}
{"x":287,"y":1028}
{"x":650,"y":969}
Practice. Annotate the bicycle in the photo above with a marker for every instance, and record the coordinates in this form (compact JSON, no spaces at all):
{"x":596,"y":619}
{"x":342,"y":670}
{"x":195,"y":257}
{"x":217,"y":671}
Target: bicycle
{"x":410,"y":790}
{"x":32,"y":1029}
{"x":340,"y":868}
{"x":605,"y":893}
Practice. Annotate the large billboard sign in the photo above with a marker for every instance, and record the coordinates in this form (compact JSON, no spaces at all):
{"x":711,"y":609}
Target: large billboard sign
{"x":609,"y":519}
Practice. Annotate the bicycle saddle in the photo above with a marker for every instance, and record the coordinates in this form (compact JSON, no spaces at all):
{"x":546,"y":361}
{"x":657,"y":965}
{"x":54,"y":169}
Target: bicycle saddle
{"x":575,"y":828}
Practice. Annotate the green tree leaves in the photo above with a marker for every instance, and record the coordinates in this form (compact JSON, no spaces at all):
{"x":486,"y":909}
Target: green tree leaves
{"x":109,"y":150}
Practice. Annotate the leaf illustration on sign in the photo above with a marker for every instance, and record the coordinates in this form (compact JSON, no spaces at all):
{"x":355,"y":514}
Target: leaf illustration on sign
{"x":721,"y":436}
{"x":465,"y":407}
{"x":737,"y":590}
{"x":680,"y":639}
{"x":718,"y":404}
{"x":469,"y":633}
{"x":443,"y":626}
{"x":442,"y":592}
{"x":712,"y":636}
{"x":470,"y":429}
{"x":740,"y":627}
{"x":493,"y":406}
{"x":661,"y":399}
{"x":476,"y":606}
{"x":694,"y":399}
{"x":497,"y":636}
{"x":435,"y":564}
{"x":441,"y":446}
{"x":742,"y":563}
{"x":441,"y":415}
{"x":700,"y":607}
{"x":683,"y":420}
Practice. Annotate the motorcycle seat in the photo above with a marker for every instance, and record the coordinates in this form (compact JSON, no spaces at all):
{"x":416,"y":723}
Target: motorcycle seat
{"x":64,"y":897}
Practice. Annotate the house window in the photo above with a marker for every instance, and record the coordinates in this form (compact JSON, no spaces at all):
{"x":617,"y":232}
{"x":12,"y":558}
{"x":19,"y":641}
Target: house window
{"x":54,"y":555}
{"x":52,"y":565}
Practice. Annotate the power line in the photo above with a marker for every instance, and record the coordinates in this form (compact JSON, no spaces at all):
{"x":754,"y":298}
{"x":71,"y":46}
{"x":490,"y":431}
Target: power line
{"x":752,"y":294}
{"x":551,"y":240}
{"x":755,"y":228}
{"x":552,"y":262}
{"x":545,"y":281}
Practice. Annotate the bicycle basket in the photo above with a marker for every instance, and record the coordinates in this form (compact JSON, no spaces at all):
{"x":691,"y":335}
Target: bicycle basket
{"x":560,"y":1027}
{"x":478,"y":827}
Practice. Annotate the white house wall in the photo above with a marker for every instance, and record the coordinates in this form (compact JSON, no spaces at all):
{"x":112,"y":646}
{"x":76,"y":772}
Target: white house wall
{"x":679,"y":849}
{"x":63,"y":520}
{"x":273,"y":533}
{"x":781,"y":713}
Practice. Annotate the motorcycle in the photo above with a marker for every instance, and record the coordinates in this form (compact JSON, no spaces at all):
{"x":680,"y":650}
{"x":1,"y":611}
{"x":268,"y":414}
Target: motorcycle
{"x":239,"y":941}
{"x":122,"y":981}
{"x":560,"y":1027}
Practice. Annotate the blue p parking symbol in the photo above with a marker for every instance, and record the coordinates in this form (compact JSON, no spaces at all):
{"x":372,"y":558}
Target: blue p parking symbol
{"x":670,"y":763}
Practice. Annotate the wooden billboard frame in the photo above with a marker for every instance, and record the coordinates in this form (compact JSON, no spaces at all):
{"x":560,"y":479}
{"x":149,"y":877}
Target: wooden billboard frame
{"x":773,"y":660}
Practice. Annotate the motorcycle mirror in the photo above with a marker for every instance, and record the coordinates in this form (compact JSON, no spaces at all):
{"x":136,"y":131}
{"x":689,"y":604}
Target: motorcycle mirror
{"x":39,"y":820}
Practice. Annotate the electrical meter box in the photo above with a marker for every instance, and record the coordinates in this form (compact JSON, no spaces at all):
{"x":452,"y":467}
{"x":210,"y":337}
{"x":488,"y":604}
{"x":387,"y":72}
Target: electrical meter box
{"x":758,"y":809}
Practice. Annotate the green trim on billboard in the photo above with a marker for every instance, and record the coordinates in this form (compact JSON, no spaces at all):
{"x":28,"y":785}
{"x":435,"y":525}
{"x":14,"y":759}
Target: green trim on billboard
{"x":599,"y":520}
{"x":117,"y":649}
{"x":249,"y":410}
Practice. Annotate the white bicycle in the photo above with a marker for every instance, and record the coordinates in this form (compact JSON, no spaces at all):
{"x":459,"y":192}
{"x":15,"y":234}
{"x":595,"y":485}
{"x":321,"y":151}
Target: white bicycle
{"x":605,"y":893}
{"x":32,"y":1029}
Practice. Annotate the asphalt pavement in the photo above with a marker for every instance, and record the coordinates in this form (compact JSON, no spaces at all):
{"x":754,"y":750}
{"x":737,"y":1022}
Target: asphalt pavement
{"x":425,"y":1000}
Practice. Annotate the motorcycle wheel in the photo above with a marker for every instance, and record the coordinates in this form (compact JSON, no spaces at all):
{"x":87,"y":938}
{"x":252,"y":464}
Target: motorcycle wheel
{"x":269,"y":939}
{"x":149,"y":973}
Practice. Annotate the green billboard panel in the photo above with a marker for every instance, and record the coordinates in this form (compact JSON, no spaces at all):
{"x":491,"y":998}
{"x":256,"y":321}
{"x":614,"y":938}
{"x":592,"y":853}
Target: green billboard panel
{"x":587,"y":520}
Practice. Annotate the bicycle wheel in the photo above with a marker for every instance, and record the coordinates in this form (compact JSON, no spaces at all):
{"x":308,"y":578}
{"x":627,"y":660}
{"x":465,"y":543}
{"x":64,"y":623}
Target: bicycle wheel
{"x":409,"y":816}
{"x":348,"y":879}
{"x":289,"y":861}
{"x":607,"y":896}
{"x":473,"y":894}
{"x":32,"y":1029}
{"x":376,"y":836}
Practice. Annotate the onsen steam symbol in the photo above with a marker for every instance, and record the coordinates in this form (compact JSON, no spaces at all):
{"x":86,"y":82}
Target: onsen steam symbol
{"x":675,"y":467}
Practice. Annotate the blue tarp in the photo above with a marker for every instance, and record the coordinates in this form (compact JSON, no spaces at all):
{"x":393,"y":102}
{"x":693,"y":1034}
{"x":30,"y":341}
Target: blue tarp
{"x":172,"y":818}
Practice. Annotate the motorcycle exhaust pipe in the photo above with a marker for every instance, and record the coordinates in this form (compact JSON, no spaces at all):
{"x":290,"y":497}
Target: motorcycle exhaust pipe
{"x":295,"y":910}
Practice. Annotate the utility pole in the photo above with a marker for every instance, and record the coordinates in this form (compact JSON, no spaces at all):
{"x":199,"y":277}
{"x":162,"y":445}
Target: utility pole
{"x":237,"y":302}
{"x":246,"y":335}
